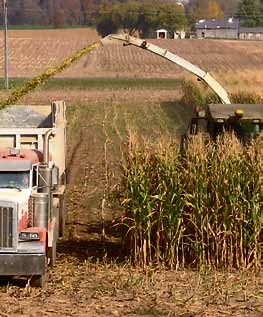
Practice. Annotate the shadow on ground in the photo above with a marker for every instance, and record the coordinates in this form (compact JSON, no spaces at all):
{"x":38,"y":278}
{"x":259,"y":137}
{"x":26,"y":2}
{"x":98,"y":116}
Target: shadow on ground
{"x":91,"y":249}
{"x":95,"y":241}
{"x":180,"y":115}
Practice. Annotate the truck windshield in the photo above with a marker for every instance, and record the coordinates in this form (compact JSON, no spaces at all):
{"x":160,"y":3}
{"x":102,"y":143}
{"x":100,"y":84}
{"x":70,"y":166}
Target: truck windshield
{"x":18,"y":180}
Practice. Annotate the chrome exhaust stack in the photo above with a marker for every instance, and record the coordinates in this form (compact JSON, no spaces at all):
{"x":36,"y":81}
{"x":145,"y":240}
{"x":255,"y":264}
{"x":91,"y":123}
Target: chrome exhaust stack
{"x":41,"y":205}
{"x":45,"y":172}
{"x":42,"y":201}
{"x":46,"y":147}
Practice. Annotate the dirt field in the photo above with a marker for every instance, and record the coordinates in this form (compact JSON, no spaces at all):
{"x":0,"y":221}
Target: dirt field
{"x":84,"y":288}
{"x":91,"y":277}
{"x":236,"y":64}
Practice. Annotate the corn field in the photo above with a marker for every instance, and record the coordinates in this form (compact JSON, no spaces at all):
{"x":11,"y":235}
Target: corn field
{"x":199,"y":209}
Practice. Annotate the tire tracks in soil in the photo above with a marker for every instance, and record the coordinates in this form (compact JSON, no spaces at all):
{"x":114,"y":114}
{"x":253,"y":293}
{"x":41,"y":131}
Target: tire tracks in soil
{"x":90,"y":213}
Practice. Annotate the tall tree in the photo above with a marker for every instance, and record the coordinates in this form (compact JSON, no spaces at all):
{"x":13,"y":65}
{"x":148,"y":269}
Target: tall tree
{"x":171,"y":17}
{"x":72,"y":9}
{"x":58,"y":18}
{"x":214,"y":11}
{"x":130,"y":16}
{"x":140,"y":17}
{"x":89,"y":10}
{"x":33,"y":14}
{"x":229,"y":7}
{"x":250,"y":12}
{"x":205,"y":9}
{"x":27,"y":12}
{"x":108,"y":19}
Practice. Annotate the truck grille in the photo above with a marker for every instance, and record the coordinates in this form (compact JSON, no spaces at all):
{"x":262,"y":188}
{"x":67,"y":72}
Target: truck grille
{"x":6,"y":227}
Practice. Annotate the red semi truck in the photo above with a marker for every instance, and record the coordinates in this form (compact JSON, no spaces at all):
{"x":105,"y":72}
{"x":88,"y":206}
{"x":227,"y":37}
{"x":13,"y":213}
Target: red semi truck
{"x":32,"y":188}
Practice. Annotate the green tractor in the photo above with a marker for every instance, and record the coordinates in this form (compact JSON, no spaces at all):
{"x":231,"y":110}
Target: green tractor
{"x":246,"y":121}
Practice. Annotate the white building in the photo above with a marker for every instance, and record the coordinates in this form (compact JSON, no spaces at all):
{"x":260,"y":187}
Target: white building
{"x":162,"y":34}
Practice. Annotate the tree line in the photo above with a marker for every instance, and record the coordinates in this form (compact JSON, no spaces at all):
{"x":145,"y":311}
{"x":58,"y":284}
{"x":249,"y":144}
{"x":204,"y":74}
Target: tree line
{"x":140,"y":16}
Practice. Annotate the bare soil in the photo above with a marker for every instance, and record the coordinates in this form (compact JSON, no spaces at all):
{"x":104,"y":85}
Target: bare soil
{"x":80,"y":286}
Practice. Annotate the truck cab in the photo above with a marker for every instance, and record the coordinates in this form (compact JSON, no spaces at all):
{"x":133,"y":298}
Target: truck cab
{"x":32,"y":186}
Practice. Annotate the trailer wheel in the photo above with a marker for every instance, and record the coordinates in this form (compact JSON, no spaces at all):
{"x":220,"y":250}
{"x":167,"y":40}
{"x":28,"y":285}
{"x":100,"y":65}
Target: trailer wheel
{"x":62,"y":216}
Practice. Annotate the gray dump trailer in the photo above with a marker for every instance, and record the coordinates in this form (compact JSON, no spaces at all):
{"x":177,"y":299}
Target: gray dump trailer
{"x":32,"y":187}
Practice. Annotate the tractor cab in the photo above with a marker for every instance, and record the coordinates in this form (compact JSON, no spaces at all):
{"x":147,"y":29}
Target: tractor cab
{"x":246,"y":121}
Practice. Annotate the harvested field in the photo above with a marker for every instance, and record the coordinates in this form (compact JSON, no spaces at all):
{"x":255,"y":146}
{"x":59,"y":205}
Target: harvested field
{"x":86,"y":288}
{"x":91,"y":277}
{"x":31,"y":51}
{"x":234,"y":63}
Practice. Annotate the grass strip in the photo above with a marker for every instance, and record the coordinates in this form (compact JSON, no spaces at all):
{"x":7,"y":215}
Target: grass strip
{"x":101,"y":83}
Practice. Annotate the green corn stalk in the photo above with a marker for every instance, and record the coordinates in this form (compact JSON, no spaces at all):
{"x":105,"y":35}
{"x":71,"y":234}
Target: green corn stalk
{"x":203,"y":209}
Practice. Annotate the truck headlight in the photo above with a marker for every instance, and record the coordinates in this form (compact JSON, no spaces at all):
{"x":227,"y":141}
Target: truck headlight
{"x":28,"y":236}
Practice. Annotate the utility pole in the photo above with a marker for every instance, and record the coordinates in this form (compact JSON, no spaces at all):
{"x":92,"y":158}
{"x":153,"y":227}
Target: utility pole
{"x":6,"y":45}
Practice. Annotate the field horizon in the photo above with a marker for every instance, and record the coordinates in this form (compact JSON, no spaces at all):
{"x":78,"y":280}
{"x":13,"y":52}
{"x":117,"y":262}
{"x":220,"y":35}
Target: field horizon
{"x":236,"y":64}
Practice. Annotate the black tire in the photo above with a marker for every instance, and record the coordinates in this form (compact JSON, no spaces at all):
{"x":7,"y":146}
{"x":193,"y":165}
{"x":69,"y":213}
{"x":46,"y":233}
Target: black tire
{"x":62,"y":216}
{"x":38,"y":280}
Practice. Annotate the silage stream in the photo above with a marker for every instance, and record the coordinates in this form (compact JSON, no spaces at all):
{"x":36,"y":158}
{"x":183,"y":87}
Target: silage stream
{"x":46,"y":75}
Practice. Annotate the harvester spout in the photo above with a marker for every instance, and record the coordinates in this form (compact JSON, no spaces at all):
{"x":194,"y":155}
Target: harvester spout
{"x":126,"y":39}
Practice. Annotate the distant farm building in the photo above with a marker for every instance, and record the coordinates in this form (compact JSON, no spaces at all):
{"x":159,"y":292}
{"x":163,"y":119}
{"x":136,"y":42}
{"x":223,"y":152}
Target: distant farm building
{"x":251,"y":33}
{"x":164,"y":34}
{"x":179,"y":35}
{"x":227,"y":28}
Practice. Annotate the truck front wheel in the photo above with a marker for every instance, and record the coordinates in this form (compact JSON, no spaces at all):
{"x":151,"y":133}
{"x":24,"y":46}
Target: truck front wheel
{"x":38,"y":280}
